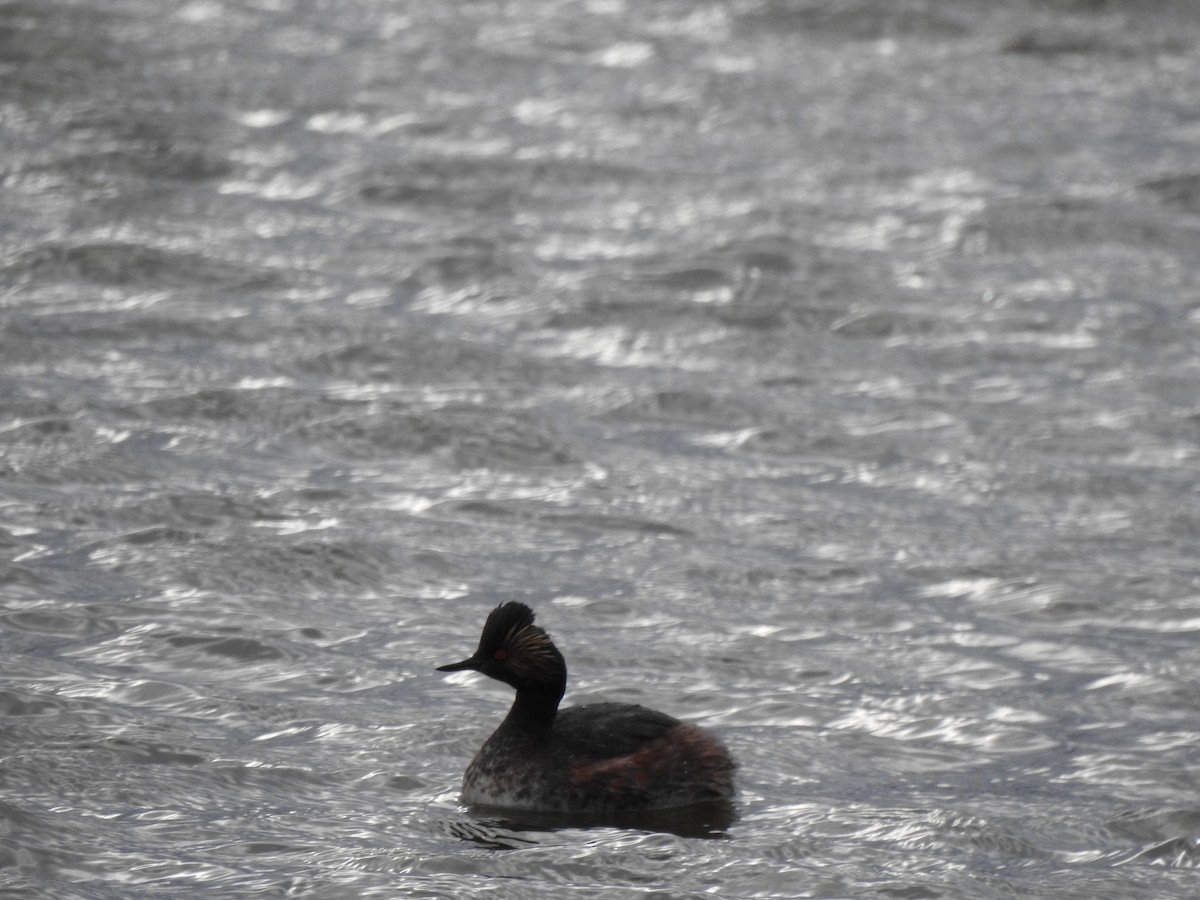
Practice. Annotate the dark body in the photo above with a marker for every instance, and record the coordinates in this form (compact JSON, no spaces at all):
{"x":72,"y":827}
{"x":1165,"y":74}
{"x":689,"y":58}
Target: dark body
{"x":599,"y":758}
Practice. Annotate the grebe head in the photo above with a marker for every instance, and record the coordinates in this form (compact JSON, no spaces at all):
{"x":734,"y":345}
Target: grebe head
{"x":514,"y":650}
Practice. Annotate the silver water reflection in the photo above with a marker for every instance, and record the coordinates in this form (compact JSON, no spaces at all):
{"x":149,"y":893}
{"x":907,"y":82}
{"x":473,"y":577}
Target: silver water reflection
{"x":829,"y":368}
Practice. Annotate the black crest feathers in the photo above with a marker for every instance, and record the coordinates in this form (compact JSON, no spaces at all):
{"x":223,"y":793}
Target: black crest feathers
{"x":504,"y":623}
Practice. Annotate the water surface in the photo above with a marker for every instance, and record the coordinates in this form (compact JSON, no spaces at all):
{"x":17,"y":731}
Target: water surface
{"x":822,"y":372}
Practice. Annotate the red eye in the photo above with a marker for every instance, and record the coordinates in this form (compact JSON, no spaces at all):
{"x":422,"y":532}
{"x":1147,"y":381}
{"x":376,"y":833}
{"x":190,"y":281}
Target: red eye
{"x":500,"y":654}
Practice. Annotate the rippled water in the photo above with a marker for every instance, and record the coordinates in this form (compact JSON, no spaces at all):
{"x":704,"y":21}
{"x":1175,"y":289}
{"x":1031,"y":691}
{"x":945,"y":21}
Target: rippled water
{"x":823,"y":371}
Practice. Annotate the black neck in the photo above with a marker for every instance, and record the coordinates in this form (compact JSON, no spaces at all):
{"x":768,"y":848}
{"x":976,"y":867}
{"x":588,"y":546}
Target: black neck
{"x":535,"y":708}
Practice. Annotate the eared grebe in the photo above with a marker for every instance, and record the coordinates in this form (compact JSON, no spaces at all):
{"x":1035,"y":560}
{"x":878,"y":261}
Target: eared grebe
{"x":601,"y":758}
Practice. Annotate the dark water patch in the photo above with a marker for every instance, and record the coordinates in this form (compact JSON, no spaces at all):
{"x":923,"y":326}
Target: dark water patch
{"x":486,"y":183}
{"x":427,"y":360}
{"x":149,"y":753}
{"x":616,"y":522}
{"x":215,"y":404}
{"x":815,"y":441}
{"x":1102,"y":7}
{"x":261,"y":848}
{"x":534,"y":516}
{"x":882,"y":323}
{"x":302,"y":568}
{"x":488,"y":509}
{"x":267,"y":411}
{"x":475,"y":261}
{"x":729,"y":264}
{"x":1179,"y":191}
{"x":689,"y":280}
{"x":65,"y":622}
{"x":54,"y":47}
{"x":859,"y":20}
{"x":1067,"y":41}
{"x":481,"y":184}
{"x":126,"y":264}
{"x":84,"y":455}
{"x":777,"y":253}
{"x":694,"y":407}
{"x":39,"y":430}
{"x":821,"y":291}
{"x":284,"y":574}
{"x":25,"y":704}
{"x":20,"y":403}
{"x":164,"y":158}
{"x":465,"y":437}
{"x":1067,"y":223}
{"x":800,"y":308}
{"x":239,"y":649}
{"x":512,"y":442}
{"x":222,"y":567}
{"x":141,"y":336}
{"x":178,"y":516}
{"x":769,"y":284}
{"x":629,"y":305}
{"x":22,"y":578}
